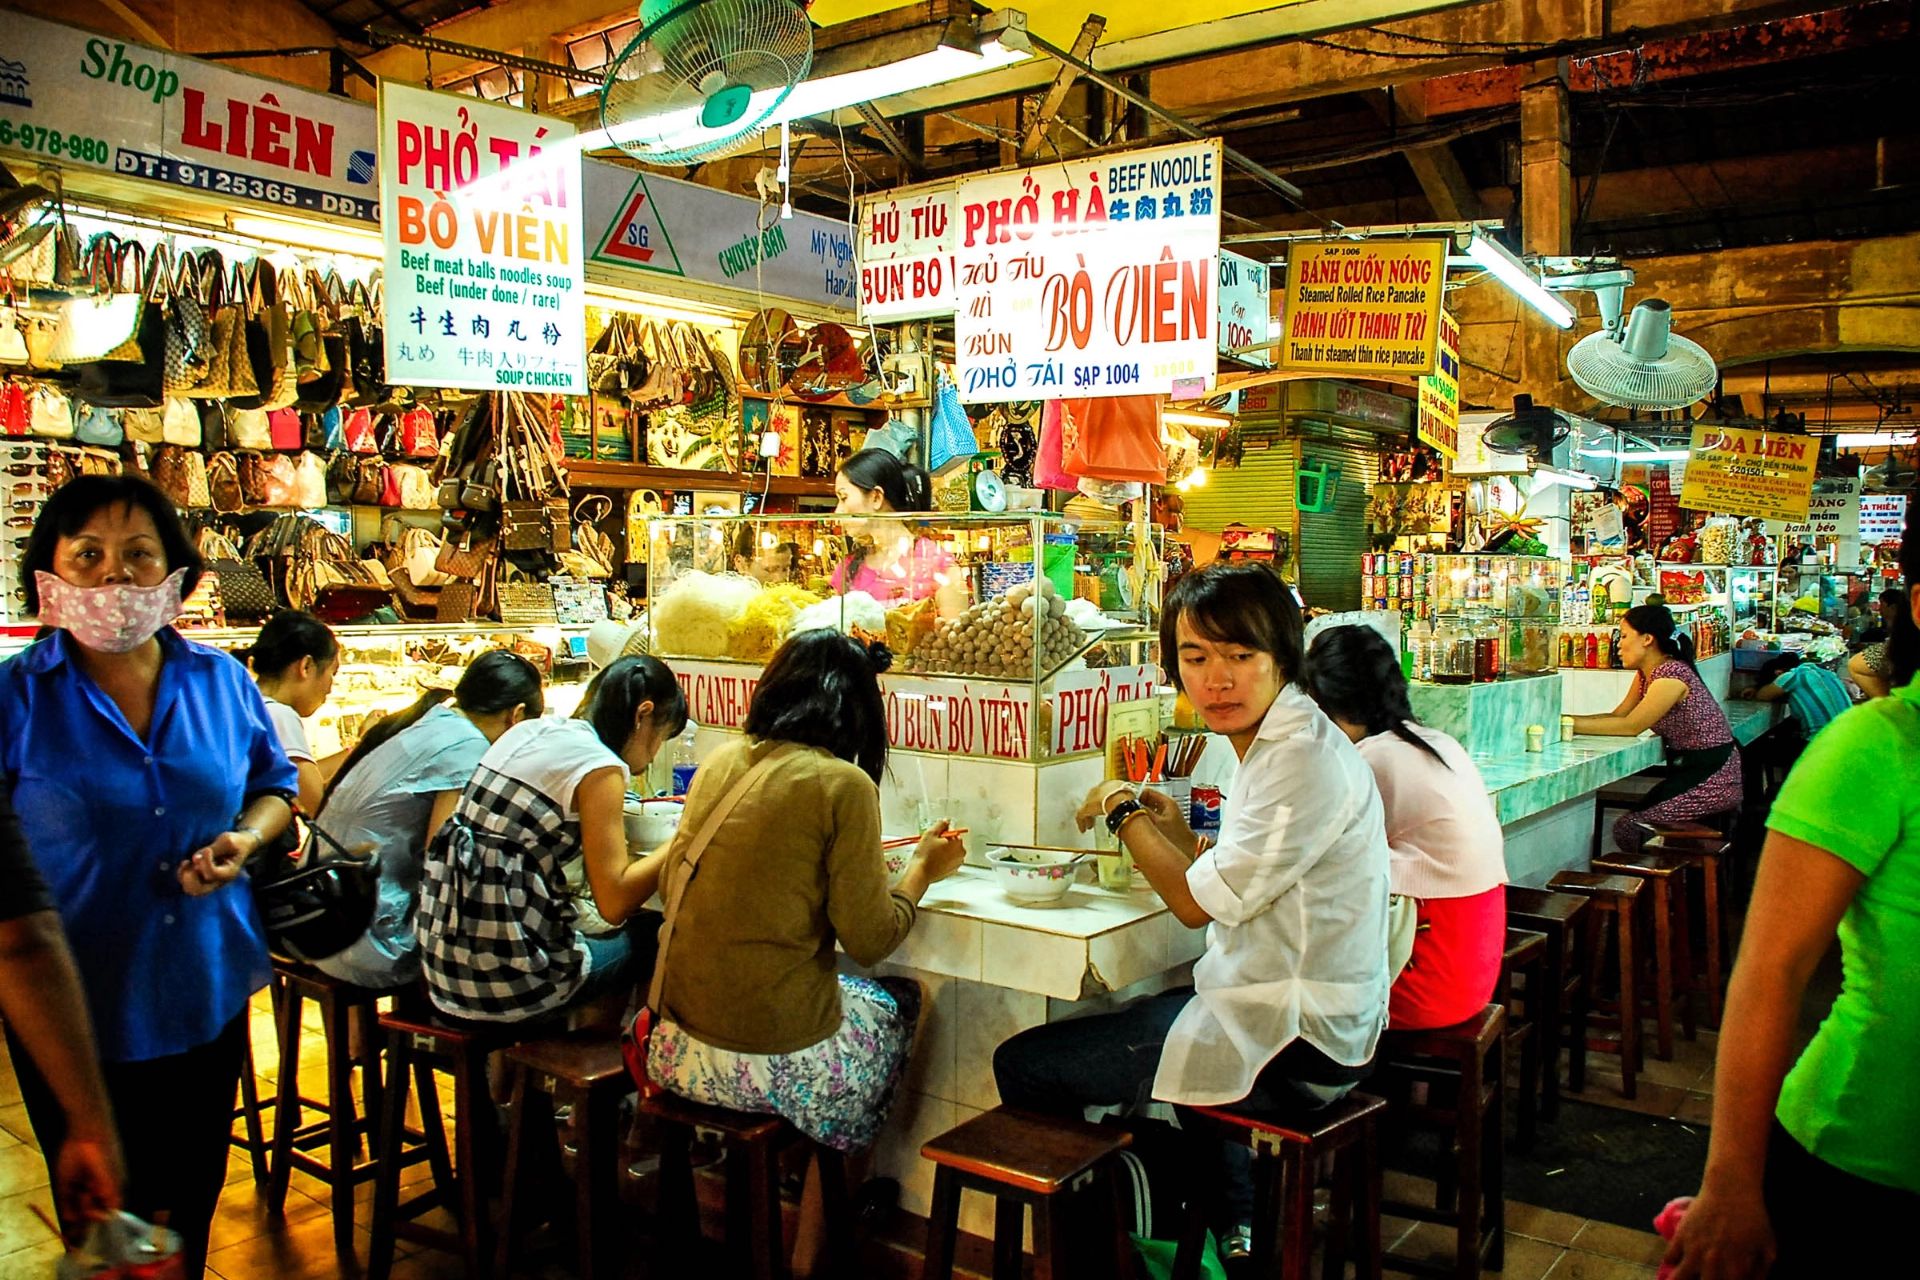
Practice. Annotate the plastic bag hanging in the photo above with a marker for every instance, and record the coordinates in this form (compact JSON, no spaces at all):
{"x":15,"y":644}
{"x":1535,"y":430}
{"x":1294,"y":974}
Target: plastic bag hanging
{"x":951,"y":435}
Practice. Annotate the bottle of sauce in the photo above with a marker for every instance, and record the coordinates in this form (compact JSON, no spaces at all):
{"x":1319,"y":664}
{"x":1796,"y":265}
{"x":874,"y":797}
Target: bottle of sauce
{"x":1593,"y":650}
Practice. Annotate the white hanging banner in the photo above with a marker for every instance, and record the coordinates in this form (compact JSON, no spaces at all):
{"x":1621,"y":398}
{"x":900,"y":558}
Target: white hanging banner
{"x":906,"y":255}
{"x":1246,"y":308}
{"x":481,"y":214}
{"x":1091,"y":278}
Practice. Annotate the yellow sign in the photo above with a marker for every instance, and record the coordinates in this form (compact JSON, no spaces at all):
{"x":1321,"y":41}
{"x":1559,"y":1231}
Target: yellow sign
{"x":1750,"y":473}
{"x":1440,"y":393}
{"x":1368,"y":308}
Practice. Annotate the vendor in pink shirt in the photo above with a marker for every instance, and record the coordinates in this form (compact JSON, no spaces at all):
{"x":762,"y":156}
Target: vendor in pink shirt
{"x":1449,"y":868}
{"x":888,"y":561}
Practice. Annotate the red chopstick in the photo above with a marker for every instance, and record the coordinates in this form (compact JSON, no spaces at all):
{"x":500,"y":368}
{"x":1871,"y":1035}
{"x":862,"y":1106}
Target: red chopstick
{"x":901,"y":842}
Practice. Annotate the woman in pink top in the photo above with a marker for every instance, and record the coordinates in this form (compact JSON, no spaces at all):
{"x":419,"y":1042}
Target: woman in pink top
{"x":888,"y":562}
{"x":1449,"y":860}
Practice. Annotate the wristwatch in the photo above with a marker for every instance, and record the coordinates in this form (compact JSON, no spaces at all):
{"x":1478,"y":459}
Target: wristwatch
{"x":1118,"y":815}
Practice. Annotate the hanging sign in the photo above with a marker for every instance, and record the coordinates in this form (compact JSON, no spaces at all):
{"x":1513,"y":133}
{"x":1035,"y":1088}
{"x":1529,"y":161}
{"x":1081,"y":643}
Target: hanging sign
{"x":480,"y":210}
{"x":1663,"y":512}
{"x":86,"y":101}
{"x":1440,"y":393}
{"x":1749,"y":473}
{"x":1094,"y":278}
{"x":906,"y":255}
{"x":1368,"y":308}
{"x":1246,"y":302}
{"x":1833,"y":509}
{"x":1883,"y":517}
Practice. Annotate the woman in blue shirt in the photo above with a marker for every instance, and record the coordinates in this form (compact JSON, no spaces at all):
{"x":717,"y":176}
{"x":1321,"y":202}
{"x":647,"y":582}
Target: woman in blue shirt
{"x":145,"y":770}
{"x":401,"y":782}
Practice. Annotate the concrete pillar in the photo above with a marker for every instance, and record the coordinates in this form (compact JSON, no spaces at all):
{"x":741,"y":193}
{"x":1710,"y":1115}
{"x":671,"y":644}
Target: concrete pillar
{"x":1546,"y":160}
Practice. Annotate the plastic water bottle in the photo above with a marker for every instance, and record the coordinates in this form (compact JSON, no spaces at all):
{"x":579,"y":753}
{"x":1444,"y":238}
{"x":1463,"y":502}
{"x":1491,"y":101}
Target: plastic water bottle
{"x":683,"y":760}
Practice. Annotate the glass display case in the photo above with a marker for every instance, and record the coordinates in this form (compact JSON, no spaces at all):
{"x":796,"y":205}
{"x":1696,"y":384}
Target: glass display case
{"x":1471,"y":619}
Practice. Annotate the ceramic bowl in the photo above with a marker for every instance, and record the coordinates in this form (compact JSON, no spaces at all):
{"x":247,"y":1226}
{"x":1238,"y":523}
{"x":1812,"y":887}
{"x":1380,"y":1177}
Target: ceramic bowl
{"x":651,"y":823}
{"x":1032,"y":877}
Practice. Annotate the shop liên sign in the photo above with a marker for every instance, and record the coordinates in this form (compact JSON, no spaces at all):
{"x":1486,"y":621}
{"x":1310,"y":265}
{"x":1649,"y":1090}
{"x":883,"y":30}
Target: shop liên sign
{"x":1738,"y":472}
{"x":1439,"y":407}
{"x":1833,"y":509}
{"x":480,"y":214}
{"x":1883,"y":517}
{"x":1246,"y":309}
{"x":905,"y":253}
{"x":1364,"y":308}
{"x":1092,"y":278}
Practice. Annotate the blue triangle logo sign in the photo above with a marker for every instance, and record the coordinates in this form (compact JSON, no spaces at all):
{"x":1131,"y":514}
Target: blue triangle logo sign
{"x":638,"y":239}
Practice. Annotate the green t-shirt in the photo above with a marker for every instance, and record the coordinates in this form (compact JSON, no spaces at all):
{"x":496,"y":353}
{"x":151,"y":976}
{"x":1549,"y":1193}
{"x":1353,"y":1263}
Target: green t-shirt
{"x":1852,"y":1099}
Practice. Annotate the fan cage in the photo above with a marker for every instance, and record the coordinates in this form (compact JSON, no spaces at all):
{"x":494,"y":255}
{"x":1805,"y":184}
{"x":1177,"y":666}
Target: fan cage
{"x":1602,"y":369}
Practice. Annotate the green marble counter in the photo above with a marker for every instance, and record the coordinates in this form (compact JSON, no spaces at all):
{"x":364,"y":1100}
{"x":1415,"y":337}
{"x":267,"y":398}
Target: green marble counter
{"x":1751,"y":719}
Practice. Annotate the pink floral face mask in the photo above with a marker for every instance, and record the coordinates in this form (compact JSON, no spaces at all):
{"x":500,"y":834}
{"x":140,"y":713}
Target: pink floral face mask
{"x":113,"y":619}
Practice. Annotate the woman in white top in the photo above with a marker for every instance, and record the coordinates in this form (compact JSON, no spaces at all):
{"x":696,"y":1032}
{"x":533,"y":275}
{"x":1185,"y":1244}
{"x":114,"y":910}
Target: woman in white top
{"x":1289,"y":1000}
{"x":1449,"y":856}
{"x":294,"y":660}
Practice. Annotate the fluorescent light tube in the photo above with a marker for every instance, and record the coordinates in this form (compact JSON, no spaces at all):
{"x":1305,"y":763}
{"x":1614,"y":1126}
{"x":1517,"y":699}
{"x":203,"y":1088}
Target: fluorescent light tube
{"x":1571,"y":479}
{"x":1645,"y":455}
{"x":1513,"y":273}
{"x":1875,"y":439}
{"x":1188,"y":418}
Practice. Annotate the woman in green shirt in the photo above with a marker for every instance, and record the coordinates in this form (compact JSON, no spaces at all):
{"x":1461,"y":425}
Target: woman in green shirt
{"x":1815,"y":1171}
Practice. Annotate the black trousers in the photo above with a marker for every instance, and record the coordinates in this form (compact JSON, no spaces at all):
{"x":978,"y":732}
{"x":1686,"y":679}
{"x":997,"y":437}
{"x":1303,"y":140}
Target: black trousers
{"x":175,"y":1115}
{"x":1829,"y":1223}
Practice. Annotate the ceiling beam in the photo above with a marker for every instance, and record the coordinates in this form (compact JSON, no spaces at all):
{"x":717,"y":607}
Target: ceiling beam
{"x":1056,"y":94}
{"x":1434,"y":165}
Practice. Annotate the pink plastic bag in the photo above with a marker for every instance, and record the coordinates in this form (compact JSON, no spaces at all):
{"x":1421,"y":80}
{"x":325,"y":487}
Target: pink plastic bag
{"x":1047,"y":471}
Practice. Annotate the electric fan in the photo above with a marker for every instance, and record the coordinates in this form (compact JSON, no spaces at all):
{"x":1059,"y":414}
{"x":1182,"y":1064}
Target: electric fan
{"x":1643,"y":364}
{"x":703,"y":76}
{"x":1532,"y":429}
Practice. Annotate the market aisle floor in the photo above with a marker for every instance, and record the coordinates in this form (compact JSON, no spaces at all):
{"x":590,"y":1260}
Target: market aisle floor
{"x":1541,"y":1244}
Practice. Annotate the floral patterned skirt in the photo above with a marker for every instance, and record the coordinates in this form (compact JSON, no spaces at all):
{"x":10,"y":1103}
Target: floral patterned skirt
{"x":837,"y":1091}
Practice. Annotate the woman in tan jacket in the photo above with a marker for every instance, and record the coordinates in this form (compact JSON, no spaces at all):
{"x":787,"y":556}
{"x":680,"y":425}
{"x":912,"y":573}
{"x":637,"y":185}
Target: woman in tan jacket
{"x":751,"y":1012}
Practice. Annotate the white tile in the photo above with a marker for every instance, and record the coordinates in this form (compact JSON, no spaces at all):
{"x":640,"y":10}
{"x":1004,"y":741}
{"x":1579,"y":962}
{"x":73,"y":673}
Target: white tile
{"x":1023,"y":960}
{"x":1064,"y":785}
{"x":911,"y":781}
{"x":943,"y":944}
{"x":993,"y":799}
{"x":917,"y":1118}
{"x":931,"y":1070}
{"x":1121,"y":957}
{"x":989,"y":1016}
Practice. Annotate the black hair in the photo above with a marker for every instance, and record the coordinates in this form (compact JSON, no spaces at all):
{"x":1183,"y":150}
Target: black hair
{"x":1243,"y":602}
{"x":1655,"y":622}
{"x":290,"y":635}
{"x":1774,"y":667}
{"x":495,"y":681}
{"x":822,"y":689}
{"x":1353,"y":673}
{"x":905,"y":486}
{"x":1903,"y":637}
{"x":76,"y":502}
{"x":614,"y":695}
{"x":1893,"y":598}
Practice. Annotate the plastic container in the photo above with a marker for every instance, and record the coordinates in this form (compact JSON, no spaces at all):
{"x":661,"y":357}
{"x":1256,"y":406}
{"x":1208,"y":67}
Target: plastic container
{"x":683,"y":760}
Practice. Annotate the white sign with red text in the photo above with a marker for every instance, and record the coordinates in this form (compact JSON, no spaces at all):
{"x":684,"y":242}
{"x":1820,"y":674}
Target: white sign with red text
{"x":481,"y":214}
{"x":1091,"y":278}
{"x":1883,"y":517}
{"x":906,"y":255}
{"x":946,"y":717}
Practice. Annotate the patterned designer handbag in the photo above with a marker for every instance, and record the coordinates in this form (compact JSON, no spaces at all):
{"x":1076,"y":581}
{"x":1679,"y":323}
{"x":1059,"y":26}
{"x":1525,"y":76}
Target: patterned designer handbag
{"x":467,"y":557}
{"x":169,"y":471}
{"x":223,"y":484}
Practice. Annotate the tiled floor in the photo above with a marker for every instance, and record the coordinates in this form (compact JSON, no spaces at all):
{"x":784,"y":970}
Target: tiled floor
{"x":1681,"y":1089}
{"x":247,"y":1246}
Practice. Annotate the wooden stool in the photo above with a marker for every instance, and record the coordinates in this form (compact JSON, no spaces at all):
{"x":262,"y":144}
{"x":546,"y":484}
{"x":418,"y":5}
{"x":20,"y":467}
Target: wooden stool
{"x":1283,"y":1199}
{"x":254,"y":1140}
{"x":590,"y":1072}
{"x":1612,"y":899}
{"x":1526,"y":955}
{"x":752,"y":1144}
{"x":1562,"y":1016}
{"x":1469,"y":1196}
{"x":1629,"y":794}
{"x":1666,"y":877}
{"x":418,"y":1046}
{"x":340,"y":1127}
{"x":1707,"y":856}
{"x":1023,"y":1159}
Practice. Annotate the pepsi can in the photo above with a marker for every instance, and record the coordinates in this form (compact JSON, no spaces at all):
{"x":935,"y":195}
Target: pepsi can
{"x":1205,"y":811}
{"x":683,"y":778}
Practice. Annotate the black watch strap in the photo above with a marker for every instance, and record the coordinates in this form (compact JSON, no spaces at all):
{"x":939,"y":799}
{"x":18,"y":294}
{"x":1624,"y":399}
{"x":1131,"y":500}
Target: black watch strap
{"x":1118,"y":816}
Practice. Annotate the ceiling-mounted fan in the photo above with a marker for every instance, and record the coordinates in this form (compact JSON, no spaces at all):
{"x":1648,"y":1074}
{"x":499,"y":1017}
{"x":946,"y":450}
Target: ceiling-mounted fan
{"x":1643,"y":364}
{"x":1532,"y":429}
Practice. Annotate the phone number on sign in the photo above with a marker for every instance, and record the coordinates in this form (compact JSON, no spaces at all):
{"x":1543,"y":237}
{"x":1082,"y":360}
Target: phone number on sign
{"x":31,"y":137}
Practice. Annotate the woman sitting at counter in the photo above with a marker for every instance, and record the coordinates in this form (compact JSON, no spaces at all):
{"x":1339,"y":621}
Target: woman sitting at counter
{"x":1289,"y":1000}
{"x":777,"y":858}
{"x":496,"y":924}
{"x":1668,"y":697}
{"x":294,"y":660}
{"x":888,"y":562}
{"x":400,"y":784}
{"x":1449,"y":867}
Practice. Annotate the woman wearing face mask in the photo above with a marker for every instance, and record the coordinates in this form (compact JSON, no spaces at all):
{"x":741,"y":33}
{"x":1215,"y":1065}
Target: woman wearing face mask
{"x":400,"y":784}
{"x":294,"y":660}
{"x":145,"y":770}
{"x":496,"y":922}
{"x":888,"y":561}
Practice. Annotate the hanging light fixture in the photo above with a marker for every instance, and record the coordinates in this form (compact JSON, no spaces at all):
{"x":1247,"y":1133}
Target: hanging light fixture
{"x":1516,"y":275}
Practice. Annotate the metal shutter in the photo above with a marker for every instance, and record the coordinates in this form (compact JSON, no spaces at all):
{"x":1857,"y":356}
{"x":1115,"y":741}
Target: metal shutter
{"x":1331,"y":542}
{"x":1258,"y":492}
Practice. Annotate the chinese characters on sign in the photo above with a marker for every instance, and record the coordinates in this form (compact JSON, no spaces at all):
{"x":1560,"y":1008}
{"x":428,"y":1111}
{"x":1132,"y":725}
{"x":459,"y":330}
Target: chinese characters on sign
{"x":1095,"y":278}
{"x":481,"y":210}
{"x":1750,"y":473}
{"x":1440,"y":393}
{"x":1365,"y":308}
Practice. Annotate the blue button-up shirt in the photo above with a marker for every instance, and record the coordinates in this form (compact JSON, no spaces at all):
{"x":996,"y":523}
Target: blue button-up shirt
{"x":110,"y":817}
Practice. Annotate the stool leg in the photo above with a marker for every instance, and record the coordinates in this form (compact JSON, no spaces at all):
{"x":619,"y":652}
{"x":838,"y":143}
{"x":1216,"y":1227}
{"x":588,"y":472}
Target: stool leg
{"x":1009,"y":1230}
{"x":469,"y":1095}
{"x":1530,"y":1050}
{"x":1579,"y":1001}
{"x":1269,"y":1210}
{"x":386,"y":1182}
{"x":1681,"y":904}
{"x":837,"y":1207}
{"x":1550,"y":1020}
{"x":1205,"y":1182}
{"x":1470,"y":1140}
{"x":250,"y":1103}
{"x":433,"y":1129}
{"x":343,"y":1126}
{"x":510,"y":1177}
{"x":1493,"y":1178}
{"x":1710,"y":875}
{"x":1117,"y":1211}
{"x":286,"y":1102}
{"x":943,"y":1223}
{"x":769,"y":1247}
{"x":678,"y":1220}
{"x":596,"y":1172}
{"x":1629,"y":1007}
{"x":1296,"y":1212}
{"x":1049,"y":1239}
{"x":1340,"y":1224}
{"x":1662,"y":971}
{"x":1367,"y":1189}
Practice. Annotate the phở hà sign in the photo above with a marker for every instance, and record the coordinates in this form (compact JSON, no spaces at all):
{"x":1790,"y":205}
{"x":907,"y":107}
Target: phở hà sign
{"x":1749,"y":473}
{"x":1094,"y":278}
{"x":1369,"y":308}
{"x":481,"y":214}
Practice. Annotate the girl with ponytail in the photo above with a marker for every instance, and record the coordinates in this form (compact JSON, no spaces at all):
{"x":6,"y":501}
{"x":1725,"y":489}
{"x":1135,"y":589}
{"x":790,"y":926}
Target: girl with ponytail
{"x":1448,"y":915}
{"x":1668,"y":697}
{"x":887,"y":560}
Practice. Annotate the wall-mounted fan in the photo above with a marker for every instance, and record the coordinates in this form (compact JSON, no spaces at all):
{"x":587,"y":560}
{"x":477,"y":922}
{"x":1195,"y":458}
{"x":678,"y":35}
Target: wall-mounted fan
{"x":1643,"y":364}
{"x":703,"y":76}
{"x":1533,"y":429}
